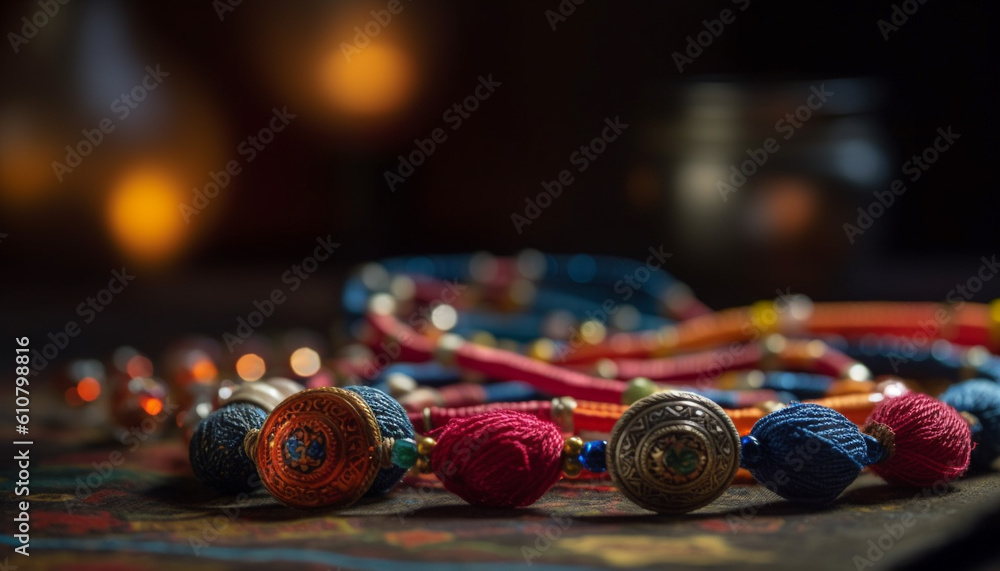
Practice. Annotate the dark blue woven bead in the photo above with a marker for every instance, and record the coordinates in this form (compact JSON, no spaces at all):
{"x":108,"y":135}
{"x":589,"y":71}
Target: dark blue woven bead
{"x":981,"y":399}
{"x":807,"y":453}
{"x":392,"y":421}
{"x":216,"y":450}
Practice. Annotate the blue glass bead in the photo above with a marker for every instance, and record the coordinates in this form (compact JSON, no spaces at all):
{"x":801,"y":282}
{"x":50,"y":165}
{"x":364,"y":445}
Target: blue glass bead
{"x":404,"y":453}
{"x":749,"y":449}
{"x":594,"y":457}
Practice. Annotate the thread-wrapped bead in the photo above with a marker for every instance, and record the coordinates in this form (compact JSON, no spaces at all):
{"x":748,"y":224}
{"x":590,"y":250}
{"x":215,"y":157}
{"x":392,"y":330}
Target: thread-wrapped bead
{"x":931,"y":441}
{"x":499,"y":458}
{"x":393,"y":423}
{"x":981,"y":399}
{"x":216,"y":449}
{"x":807,"y":453}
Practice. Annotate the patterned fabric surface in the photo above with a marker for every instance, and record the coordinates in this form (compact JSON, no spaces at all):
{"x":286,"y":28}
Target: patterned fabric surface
{"x":148,"y":512}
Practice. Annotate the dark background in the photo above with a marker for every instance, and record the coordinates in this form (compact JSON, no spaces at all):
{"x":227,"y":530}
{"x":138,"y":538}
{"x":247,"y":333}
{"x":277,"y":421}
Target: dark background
{"x":324,"y":173}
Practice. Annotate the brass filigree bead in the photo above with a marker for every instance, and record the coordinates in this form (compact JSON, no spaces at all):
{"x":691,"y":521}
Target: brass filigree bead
{"x":573,"y":446}
{"x":425,"y":446}
{"x":673,"y":452}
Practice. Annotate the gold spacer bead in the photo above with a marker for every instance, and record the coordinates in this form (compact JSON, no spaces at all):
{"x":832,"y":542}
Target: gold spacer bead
{"x":426,"y":446}
{"x":571,"y":467}
{"x":573,"y":446}
{"x":422,"y":466}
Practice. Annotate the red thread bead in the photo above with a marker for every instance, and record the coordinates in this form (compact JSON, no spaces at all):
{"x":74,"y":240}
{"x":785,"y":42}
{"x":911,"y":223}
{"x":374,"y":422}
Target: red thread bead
{"x":932,"y":441}
{"x":499,"y":458}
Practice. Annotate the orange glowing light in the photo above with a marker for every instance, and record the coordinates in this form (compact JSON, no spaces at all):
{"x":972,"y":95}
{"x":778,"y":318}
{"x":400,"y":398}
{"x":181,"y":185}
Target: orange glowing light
{"x":378,"y":79}
{"x":139,"y":366}
{"x":204,"y":371}
{"x":250,"y":367}
{"x":88,"y":389}
{"x":151,"y":405}
{"x":143,"y":215}
{"x":305,"y":362}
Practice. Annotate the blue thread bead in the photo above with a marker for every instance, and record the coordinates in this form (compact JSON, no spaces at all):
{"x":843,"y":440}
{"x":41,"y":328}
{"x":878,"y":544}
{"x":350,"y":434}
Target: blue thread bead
{"x":216,"y":450}
{"x":594,"y":456}
{"x":981,"y":399}
{"x":392,"y":422}
{"x":807,"y":453}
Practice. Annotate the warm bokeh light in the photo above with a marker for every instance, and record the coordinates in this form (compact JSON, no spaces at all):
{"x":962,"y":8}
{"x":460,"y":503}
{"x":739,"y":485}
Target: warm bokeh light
{"x":143,"y":215}
{"x":250,"y":367}
{"x":151,"y":405}
{"x":305,"y":362}
{"x":204,"y":370}
{"x":139,"y":366}
{"x":377,"y":80}
{"x":89,"y":389}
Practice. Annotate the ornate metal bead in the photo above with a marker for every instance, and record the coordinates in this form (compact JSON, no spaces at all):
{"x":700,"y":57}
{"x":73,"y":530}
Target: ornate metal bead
{"x":673,"y":452}
{"x":318,"y":448}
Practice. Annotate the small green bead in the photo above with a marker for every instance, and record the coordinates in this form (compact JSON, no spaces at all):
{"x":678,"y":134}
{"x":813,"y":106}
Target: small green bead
{"x":638,"y":388}
{"x":404,"y":453}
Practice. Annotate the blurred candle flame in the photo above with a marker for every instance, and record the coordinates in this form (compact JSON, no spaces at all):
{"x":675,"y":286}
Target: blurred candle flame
{"x":377,"y":80}
{"x":143,"y":215}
